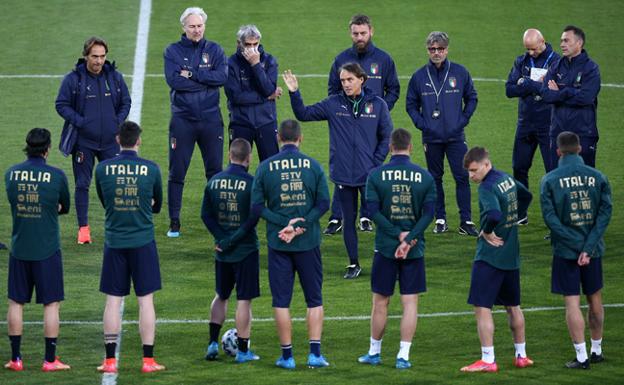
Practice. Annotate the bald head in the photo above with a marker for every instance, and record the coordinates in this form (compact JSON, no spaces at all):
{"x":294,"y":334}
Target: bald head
{"x":534,"y":42}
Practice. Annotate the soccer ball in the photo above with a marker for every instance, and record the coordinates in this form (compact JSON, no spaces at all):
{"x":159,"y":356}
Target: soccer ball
{"x":229,"y":342}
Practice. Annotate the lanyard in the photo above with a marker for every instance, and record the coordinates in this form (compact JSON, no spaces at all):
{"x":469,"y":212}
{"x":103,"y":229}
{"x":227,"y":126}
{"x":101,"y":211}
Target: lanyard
{"x":545,"y":63}
{"x":437,"y":93}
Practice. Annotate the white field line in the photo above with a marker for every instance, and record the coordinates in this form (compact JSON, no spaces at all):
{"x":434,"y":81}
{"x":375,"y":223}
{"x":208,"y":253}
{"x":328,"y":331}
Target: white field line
{"x":366,"y":317}
{"x":138,"y":79}
{"x":476,"y":79}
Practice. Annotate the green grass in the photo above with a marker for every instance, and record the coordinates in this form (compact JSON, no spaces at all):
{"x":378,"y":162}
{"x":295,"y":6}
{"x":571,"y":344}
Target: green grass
{"x":47,"y":37}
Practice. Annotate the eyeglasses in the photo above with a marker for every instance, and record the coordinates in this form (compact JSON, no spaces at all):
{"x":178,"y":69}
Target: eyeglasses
{"x":434,"y":49}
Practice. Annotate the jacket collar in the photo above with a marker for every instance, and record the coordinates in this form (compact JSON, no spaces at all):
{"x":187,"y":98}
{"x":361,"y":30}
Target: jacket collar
{"x":185,"y":41}
{"x":236,"y":169}
{"x":369,"y":49}
{"x":399,"y":159}
{"x":38,"y":160}
{"x":570,"y":159}
{"x":289,"y":148}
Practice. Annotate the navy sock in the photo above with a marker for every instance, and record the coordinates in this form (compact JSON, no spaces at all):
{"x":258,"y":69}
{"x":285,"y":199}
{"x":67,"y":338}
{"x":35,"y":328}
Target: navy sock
{"x":243,"y":344}
{"x":315,"y":347}
{"x":286,"y":351}
{"x":110,"y":349}
{"x":148,"y":351}
{"x":215,"y":329}
{"x":16,"y":342}
{"x":50,"y":349}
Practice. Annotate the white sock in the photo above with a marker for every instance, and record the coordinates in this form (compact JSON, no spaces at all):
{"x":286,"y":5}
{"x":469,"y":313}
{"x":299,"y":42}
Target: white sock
{"x":581,"y":352}
{"x":487,"y":354}
{"x":596,"y":346}
{"x":404,"y":350}
{"x":375,"y":347}
{"x":520,"y":350}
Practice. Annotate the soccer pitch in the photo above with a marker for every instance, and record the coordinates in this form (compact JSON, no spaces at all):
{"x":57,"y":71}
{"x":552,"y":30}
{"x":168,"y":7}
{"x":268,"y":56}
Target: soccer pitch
{"x":41,"y":41}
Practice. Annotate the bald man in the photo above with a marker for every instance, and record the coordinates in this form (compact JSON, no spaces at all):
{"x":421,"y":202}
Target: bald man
{"x":524,"y":82}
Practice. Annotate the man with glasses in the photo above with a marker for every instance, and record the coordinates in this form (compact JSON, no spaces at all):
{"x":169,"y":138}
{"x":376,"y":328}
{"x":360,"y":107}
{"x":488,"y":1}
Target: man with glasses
{"x":571,"y":86}
{"x":524,"y":82}
{"x":440,"y":100}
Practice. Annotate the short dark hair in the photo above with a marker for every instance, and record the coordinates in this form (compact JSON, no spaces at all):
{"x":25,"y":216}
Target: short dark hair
{"x":360,"y":19}
{"x":355,"y":69}
{"x":475,"y":154}
{"x":568,"y":143}
{"x":90,"y":42}
{"x":129,"y":133}
{"x":290,"y":130}
{"x":240,"y":149}
{"x":37,"y":142}
{"x":577,"y":32}
{"x":400,"y":139}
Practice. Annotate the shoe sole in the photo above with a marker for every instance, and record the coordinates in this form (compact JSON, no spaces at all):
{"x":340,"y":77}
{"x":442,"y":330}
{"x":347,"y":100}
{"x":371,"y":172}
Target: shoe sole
{"x":339,"y":229}
{"x":464,"y":232}
{"x":173,"y":234}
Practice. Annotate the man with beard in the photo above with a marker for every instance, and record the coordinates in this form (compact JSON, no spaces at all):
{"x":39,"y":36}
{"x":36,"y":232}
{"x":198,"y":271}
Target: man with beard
{"x":382,"y":81}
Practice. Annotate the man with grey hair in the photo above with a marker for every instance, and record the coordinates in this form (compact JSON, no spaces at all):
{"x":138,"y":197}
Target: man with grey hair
{"x":195,"y":68}
{"x":440,"y":100}
{"x":251,"y":89}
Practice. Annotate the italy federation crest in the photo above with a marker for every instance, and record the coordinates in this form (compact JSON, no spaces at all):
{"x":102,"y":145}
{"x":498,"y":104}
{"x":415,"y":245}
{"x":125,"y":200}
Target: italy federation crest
{"x":205,"y":57}
{"x":368,"y":108}
{"x":374,"y":68}
{"x":452,"y":82}
{"x":578,"y":77}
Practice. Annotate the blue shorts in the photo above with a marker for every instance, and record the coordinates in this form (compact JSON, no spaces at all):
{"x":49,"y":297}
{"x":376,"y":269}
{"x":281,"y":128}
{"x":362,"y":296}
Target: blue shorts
{"x":568,"y":277}
{"x":46,"y":276}
{"x":282,"y":267}
{"x":245,"y":274}
{"x":409,"y":272}
{"x":140,"y":264}
{"x":490,"y":286}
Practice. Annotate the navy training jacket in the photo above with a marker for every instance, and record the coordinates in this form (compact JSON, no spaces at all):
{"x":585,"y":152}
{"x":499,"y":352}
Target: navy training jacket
{"x":533,"y":113}
{"x":378,"y":65}
{"x":358,"y":142}
{"x":247,"y":89}
{"x":576,"y":101}
{"x":457,"y":103}
{"x":195,"y":98}
{"x":94,"y":104}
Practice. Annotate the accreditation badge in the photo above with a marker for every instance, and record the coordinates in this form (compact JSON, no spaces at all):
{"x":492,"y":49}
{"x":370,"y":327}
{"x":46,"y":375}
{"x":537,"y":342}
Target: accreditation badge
{"x":436,"y":114}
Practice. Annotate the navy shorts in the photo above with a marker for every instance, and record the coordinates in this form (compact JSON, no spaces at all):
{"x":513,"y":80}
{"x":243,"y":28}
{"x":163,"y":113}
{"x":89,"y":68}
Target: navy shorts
{"x":244,"y":274}
{"x":490,"y":286}
{"x":140,"y":264}
{"x":409,"y":272}
{"x":568,"y":277}
{"x":46,"y":276}
{"x":282,"y":267}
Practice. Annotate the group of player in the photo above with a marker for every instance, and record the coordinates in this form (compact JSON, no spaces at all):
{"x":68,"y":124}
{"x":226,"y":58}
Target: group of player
{"x":290,"y":192}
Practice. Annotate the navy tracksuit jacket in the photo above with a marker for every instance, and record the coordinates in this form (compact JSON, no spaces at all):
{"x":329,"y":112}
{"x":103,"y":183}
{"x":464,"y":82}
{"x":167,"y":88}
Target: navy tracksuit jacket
{"x":358,"y":142}
{"x":95,"y":105}
{"x":575,"y":103}
{"x":252,"y":115}
{"x":444,"y":135}
{"x":533,"y":113}
{"x":195,"y":113}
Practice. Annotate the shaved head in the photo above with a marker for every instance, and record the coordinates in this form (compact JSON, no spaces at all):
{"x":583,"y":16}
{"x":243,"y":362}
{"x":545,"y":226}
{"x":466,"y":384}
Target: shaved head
{"x":533,"y":42}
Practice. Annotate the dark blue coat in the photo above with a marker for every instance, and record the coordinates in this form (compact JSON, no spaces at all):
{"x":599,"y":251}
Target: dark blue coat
{"x":576,"y":101}
{"x":195,"y":98}
{"x":247,"y":89}
{"x":378,"y":65}
{"x":94,"y":104}
{"x":533,"y":113}
{"x":357,"y":142}
{"x":457,"y":102}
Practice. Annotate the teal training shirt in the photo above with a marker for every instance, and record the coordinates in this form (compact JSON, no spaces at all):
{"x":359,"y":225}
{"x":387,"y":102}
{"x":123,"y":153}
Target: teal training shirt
{"x":226,"y":211}
{"x":576,"y":206}
{"x":500,"y":193}
{"x":289,"y":185}
{"x":400,"y":196}
{"x":35,"y":192}
{"x":130,"y":189}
